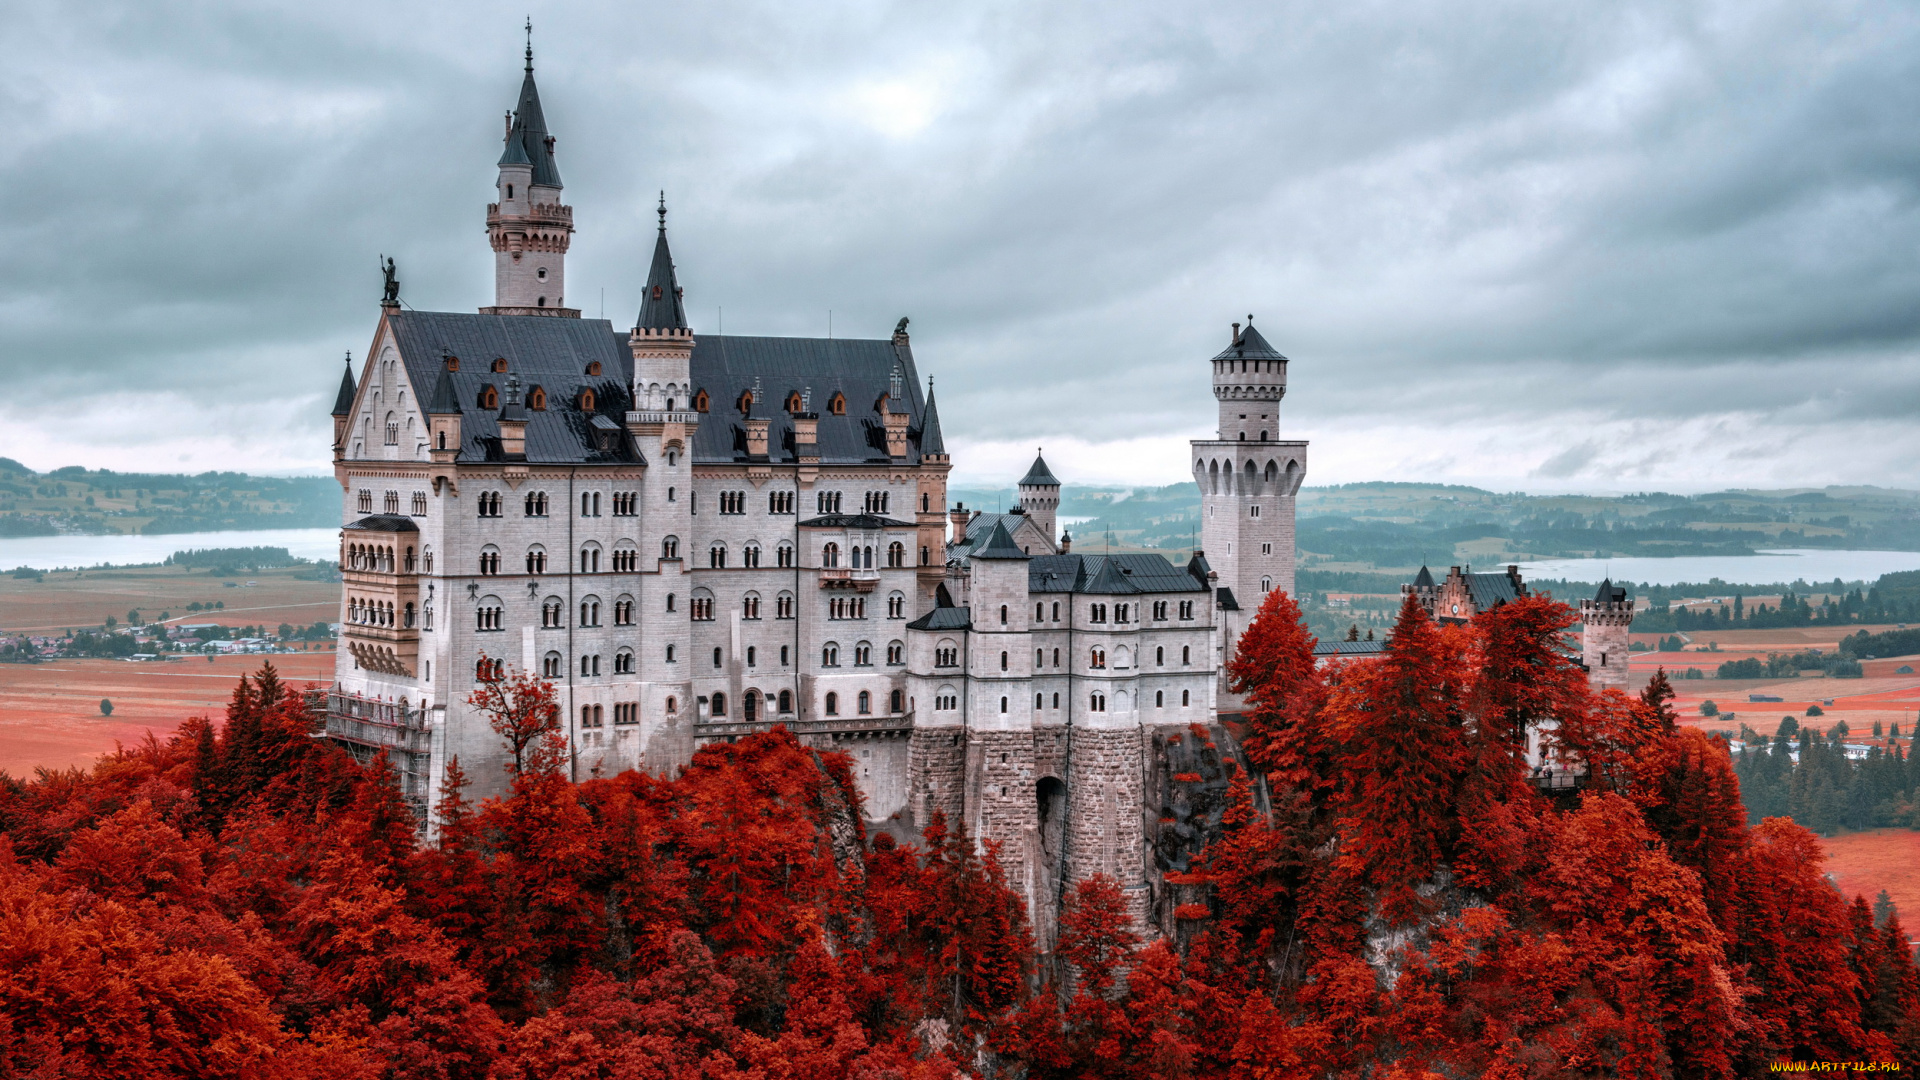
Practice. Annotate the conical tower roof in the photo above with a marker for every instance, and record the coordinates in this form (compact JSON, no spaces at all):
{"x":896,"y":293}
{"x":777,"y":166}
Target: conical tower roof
{"x":1424,"y":580}
{"x":1249,"y":346}
{"x":445,"y":401}
{"x":528,"y":142}
{"x":661,"y":308}
{"x":1039,"y":475}
{"x":930,"y":440}
{"x":343,"y":401}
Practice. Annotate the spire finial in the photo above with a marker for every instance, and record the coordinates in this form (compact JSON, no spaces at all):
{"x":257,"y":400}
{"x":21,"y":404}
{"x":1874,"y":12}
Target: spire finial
{"x":1249,"y":318}
{"x":349,"y":357}
{"x":529,"y":44}
{"x":663,"y":211}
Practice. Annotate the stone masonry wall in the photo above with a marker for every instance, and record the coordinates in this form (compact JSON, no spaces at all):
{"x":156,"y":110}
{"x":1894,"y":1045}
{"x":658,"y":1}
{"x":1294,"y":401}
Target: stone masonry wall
{"x":1105,"y":833}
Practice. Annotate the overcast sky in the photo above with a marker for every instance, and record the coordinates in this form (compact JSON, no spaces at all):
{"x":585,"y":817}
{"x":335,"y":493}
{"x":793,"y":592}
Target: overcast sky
{"x":1531,"y":246}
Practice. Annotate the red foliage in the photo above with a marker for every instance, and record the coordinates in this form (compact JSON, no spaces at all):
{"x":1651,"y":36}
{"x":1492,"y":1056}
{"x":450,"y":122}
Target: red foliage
{"x":1387,"y":895}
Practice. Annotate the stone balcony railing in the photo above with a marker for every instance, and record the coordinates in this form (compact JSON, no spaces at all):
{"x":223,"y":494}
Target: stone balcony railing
{"x":841,"y":577}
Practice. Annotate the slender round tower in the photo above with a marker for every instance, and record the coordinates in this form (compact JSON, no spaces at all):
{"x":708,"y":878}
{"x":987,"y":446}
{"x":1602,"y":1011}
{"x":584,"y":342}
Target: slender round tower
{"x":1040,"y":497}
{"x":529,"y":228}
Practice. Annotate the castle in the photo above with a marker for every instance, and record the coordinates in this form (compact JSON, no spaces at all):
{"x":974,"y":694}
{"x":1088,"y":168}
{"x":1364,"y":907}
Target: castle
{"x":695,"y":537}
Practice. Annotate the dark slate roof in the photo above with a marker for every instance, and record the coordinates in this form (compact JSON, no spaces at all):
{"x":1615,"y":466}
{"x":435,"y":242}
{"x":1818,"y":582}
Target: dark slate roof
{"x":1249,"y":346}
{"x":1610,"y":593}
{"x":1424,"y":580}
{"x":393,"y":523}
{"x":1224,"y":600}
{"x":930,"y":440}
{"x":527,"y":139}
{"x":553,"y":354}
{"x":543,"y":351}
{"x":1349,"y":648}
{"x":1491,"y":590}
{"x":343,"y":401}
{"x":859,"y":368}
{"x":999,"y":546}
{"x":1039,"y":475}
{"x":1112,"y":574}
{"x":660,"y":305}
{"x":854,"y":521}
{"x":944,"y":618}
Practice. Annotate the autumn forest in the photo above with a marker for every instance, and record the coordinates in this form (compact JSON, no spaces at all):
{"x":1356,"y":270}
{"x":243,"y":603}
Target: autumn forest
{"x":1390,"y":894}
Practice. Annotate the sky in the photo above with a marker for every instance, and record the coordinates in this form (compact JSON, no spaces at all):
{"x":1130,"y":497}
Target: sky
{"x":1526,"y":246}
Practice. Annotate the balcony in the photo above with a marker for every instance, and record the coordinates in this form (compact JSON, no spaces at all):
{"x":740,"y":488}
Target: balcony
{"x":663,"y":416}
{"x":840,"y":577}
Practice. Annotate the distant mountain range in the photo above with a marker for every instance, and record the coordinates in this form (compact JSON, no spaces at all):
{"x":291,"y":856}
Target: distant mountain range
{"x":77,"y":500}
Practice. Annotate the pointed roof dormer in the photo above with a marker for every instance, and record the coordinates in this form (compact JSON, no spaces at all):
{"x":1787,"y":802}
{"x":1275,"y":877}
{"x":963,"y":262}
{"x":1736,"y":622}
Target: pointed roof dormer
{"x":999,"y":545}
{"x":1249,"y":345}
{"x":528,"y":142}
{"x":445,"y":400}
{"x":661,"y":308}
{"x":343,"y":401}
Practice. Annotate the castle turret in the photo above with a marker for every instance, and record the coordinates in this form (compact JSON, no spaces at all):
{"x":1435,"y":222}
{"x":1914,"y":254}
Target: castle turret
{"x":1248,"y":480}
{"x":1608,"y":619}
{"x":343,"y":410}
{"x":1040,"y":496}
{"x":1000,"y":768}
{"x":529,"y":228}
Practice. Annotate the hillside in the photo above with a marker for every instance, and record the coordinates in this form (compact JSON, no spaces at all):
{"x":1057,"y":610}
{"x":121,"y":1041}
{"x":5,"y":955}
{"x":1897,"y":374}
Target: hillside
{"x":101,"y":501}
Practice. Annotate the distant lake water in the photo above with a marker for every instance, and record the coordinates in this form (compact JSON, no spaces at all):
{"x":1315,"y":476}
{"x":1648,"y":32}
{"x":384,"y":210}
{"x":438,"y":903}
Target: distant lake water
{"x":80,"y":552}
{"x":1813,"y":565}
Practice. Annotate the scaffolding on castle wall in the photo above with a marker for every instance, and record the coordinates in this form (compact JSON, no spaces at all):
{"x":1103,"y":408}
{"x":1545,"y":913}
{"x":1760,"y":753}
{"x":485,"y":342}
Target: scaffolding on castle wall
{"x":366,"y":726}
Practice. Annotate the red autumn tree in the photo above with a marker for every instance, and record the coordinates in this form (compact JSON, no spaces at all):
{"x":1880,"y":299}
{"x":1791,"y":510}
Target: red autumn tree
{"x":519,"y":705}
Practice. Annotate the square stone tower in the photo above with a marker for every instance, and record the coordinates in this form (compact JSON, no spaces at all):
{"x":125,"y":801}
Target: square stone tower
{"x":1609,"y":628}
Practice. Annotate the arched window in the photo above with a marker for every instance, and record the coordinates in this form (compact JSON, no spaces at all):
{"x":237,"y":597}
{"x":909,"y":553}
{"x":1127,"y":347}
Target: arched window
{"x":499,"y":363}
{"x":719,"y":707}
{"x":550,"y":665}
{"x":537,"y":399}
{"x":786,"y":701}
{"x":1039,"y":612}
{"x":897,"y":701}
{"x":717,"y":556}
{"x":794,"y":404}
{"x":701,"y":401}
{"x":718,"y":660}
{"x":896,"y":554}
{"x":1183,"y":697}
{"x":865,"y":703}
{"x":1186,"y":654}
{"x":830,"y":655}
{"x":837,"y":405}
{"x":745,"y":403}
{"x":593,"y":368}
{"x":670,"y":548}
{"x":489,"y":397}
{"x":586,"y":401}
{"x":830,"y":555}
{"x":1003,"y":704}
{"x":1266,"y":584}
{"x":1003,"y":614}
{"x":1159,"y":656}
{"x":833,"y":703}
{"x":1098,"y":658}
{"x":673,"y":703}
{"x":1159,"y":699}
{"x":1003,"y":661}
{"x":669,"y":660}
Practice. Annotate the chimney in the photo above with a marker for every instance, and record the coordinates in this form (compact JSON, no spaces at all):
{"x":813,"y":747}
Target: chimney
{"x":806,"y":429}
{"x":896,"y":416}
{"x":1066,"y":542}
{"x":1236,"y":335}
{"x":959,"y":517}
{"x":757,"y":426}
{"x":513,"y":423}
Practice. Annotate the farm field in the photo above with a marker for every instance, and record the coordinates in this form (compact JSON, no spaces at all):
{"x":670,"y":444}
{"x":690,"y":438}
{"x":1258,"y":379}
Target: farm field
{"x":50,"y":713}
{"x":1866,"y":862}
{"x":78,"y":599}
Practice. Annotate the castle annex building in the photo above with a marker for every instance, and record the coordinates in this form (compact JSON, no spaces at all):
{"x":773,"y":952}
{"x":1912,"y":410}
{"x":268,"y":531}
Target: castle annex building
{"x":696,"y":537}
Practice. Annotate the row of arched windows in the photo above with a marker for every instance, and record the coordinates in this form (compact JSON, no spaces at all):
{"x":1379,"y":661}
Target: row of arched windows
{"x":1221,"y":477}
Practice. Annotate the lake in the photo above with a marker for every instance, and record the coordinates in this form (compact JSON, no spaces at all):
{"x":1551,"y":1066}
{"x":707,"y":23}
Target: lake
{"x":80,"y":552}
{"x":1814,"y":565}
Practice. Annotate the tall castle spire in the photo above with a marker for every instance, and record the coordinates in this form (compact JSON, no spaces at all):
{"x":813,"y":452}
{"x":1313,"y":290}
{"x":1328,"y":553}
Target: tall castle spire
{"x":529,"y":228}
{"x":661,"y":307}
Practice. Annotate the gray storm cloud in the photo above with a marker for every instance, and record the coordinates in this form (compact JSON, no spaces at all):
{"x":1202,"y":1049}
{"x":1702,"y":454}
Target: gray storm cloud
{"x":1514,"y":244}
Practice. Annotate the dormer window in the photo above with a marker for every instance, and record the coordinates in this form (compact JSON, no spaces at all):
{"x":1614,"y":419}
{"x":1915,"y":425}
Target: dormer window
{"x":500,"y":364}
{"x":593,"y":368}
{"x":794,"y":405}
{"x":701,"y":401}
{"x":746,"y":403}
{"x":453,"y":363}
{"x":537,"y":399}
{"x":838,"y":404}
{"x":586,"y":401}
{"x":489,"y":397}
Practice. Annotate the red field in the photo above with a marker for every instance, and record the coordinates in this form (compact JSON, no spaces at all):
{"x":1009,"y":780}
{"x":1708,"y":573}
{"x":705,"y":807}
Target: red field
{"x":1889,"y":859}
{"x":50,"y":713}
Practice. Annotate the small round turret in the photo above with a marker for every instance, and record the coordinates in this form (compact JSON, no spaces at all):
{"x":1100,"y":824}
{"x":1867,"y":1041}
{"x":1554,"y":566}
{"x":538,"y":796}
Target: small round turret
{"x":1249,"y":379}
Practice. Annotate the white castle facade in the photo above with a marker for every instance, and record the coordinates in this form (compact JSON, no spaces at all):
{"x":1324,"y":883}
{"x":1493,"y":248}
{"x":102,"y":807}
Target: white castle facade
{"x":695,"y":537}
